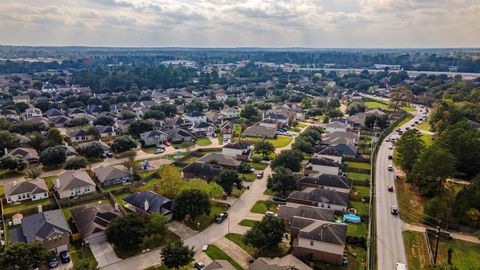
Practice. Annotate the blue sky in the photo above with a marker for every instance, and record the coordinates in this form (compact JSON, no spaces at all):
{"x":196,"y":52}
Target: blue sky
{"x":240,"y":23}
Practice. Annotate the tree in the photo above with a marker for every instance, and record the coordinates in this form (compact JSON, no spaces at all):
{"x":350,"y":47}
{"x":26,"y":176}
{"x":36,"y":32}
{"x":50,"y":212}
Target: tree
{"x":266,"y":234}
{"x":12,"y":163}
{"x":77,"y":122}
{"x":123,"y":143}
{"x":140,"y":126}
{"x":399,"y":97}
{"x":249,"y":112}
{"x":302,"y":144}
{"x":128,"y":115}
{"x":283,"y":181}
{"x":265,"y":106}
{"x":55,"y":137}
{"x":333,"y":103}
{"x":264,"y":147}
{"x":157,"y":224}
{"x":213,"y":189}
{"x":171,"y":181}
{"x":75,"y":163}
{"x":437,"y":208}
{"x":8,"y":141}
{"x":176,"y":254}
{"x":23,"y":256}
{"x":466,"y":201}
{"x":372,"y":120}
{"x":290,"y":159}
{"x":92,"y":150}
{"x":104,"y":121}
{"x":229,"y":179}
{"x":355,"y":107}
{"x":53,"y":156}
{"x":215,"y":105}
{"x":433,"y":166}
{"x":126,"y":231}
{"x":409,"y":147}
{"x":191,"y":203}
{"x":306,"y":103}
{"x":231,"y":102}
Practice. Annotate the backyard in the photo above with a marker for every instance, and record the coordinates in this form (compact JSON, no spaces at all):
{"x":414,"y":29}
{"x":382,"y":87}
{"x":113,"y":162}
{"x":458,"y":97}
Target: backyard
{"x":358,"y":176}
{"x":464,"y":255}
{"x":26,"y":205}
{"x":375,"y":105}
{"x":358,"y":165}
{"x":279,"y":251}
{"x":361,"y":207}
{"x":279,"y":142}
{"x":359,"y":230}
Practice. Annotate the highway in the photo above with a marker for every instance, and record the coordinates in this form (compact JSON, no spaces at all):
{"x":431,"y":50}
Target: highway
{"x":390,"y":248}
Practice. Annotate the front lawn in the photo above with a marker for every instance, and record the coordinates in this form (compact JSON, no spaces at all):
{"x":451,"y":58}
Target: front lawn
{"x":375,"y":105}
{"x":359,"y":230}
{"x":203,"y":221}
{"x":279,"y":251}
{"x":216,"y":253}
{"x":260,"y":207}
{"x":247,"y":223}
{"x":358,"y":165}
{"x":424,"y":125}
{"x":361,"y":207}
{"x":248,"y":177}
{"x":183,"y":145}
{"x":49,"y":181}
{"x":167,"y":237}
{"x":279,"y":142}
{"x":258,"y":165}
{"x":203,"y":141}
{"x":79,"y":253}
{"x":358,"y":176}
{"x":416,"y":250}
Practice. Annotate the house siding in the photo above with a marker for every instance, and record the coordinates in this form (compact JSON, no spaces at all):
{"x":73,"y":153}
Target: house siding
{"x":77,"y":191}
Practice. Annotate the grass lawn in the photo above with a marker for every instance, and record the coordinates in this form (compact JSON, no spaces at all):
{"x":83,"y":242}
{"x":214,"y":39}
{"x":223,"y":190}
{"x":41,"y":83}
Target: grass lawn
{"x":219,"y":138}
{"x":360,"y":229}
{"x":258,"y":165}
{"x":206,"y":220}
{"x":358,"y":165}
{"x":217,"y":254}
{"x":49,"y":181}
{"x":203,"y":141}
{"x":424,"y":125}
{"x":416,"y":250}
{"x":406,"y":120}
{"x":408,"y":108}
{"x":238,"y":240}
{"x":408,"y":196}
{"x":279,"y":142}
{"x":8,"y":174}
{"x":427,"y":139}
{"x":375,"y":105}
{"x":248,"y":177}
{"x":358,"y":176}
{"x":120,"y":197}
{"x":269,"y":192}
{"x":167,"y":237}
{"x":465,"y":255}
{"x":77,"y":253}
{"x":279,"y":251}
{"x":247,"y":222}
{"x":362,"y":208}
{"x":25,"y":205}
{"x":260,"y":207}
{"x":237,"y":129}
{"x":182,"y":145}
{"x":2,"y":190}
{"x":362,"y":191}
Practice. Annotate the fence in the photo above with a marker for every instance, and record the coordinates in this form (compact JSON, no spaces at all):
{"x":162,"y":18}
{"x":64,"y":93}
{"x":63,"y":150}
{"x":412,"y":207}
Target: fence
{"x":429,"y":246}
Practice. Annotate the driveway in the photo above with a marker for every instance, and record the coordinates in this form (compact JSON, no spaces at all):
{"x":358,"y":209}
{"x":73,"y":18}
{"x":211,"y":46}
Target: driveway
{"x":180,"y":229}
{"x":235,"y":252}
{"x":103,"y":252}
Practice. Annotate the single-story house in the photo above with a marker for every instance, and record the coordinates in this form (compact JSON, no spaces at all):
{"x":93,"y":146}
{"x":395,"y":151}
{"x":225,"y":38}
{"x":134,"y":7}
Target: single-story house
{"x":335,"y":126}
{"x":178,"y":135}
{"x":260,"y":131}
{"x":287,"y":262}
{"x":111,"y":175}
{"x":327,"y":151}
{"x":147,"y":202}
{"x":240,"y":150}
{"x":327,"y":181}
{"x":290,"y":210}
{"x":323,"y":198}
{"x":92,"y":220}
{"x":220,"y":265}
{"x":30,"y":155}
{"x":323,"y":166}
{"x":74,"y":183}
{"x":223,"y":160}
{"x":204,"y":171}
{"x":34,"y":190}
{"x":80,"y":135}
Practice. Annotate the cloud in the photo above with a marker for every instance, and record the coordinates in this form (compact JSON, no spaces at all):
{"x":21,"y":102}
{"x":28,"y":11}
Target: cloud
{"x":214,"y":23}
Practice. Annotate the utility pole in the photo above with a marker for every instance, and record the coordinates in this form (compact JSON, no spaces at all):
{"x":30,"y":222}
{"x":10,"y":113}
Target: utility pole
{"x":436,"y":246}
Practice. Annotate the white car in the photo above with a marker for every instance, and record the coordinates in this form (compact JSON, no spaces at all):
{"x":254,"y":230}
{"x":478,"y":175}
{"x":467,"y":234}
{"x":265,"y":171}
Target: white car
{"x":390,"y":168}
{"x":271,"y":214}
{"x":390,"y":147}
{"x":204,"y":247}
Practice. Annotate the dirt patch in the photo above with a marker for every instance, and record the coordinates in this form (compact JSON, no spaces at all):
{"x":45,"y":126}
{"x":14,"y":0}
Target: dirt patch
{"x":410,"y":201}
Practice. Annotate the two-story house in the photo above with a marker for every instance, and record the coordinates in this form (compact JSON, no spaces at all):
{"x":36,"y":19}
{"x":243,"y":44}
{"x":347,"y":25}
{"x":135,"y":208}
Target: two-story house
{"x":74,"y":183}
{"x":323,"y":165}
{"x":32,"y":113}
{"x":240,"y":150}
{"x":196,"y":117}
{"x":154,"y":137}
{"x":203,"y":129}
{"x":335,"y":126}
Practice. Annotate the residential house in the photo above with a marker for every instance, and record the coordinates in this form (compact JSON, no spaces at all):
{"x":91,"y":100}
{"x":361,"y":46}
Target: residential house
{"x":76,"y":112}
{"x":231,"y":112}
{"x":9,"y":114}
{"x":34,"y":190}
{"x":196,"y":117}
{"x":260,"y":131}
{"x":221,"y":96}
{"x":21,"y":99}
{"x":323,"y":198}
{"x":80,"y":135}
{"x":327,"y":151}
{"x":112,"y":175}
{"x":52,"y":112}
{"x":327,"y":181}
{"x":30,"y":155}
{"x":154,"y":137}
{"x":107,"y":131}
{"x":32,"y":113}
{"x":203,"y":129}
{"x":60,"y":121}
{"x":240,"y":150}
{"x":214,"y":116}
{"x":226,"y":131}
{"x":335,"y":126}
{"x":204,"y":171}
{"x":323,"y":165}
{"x":270,"y":123}
{"x":74,"y":183}
{"x":322,"y":240}
{"x":147,"y":202}
{"x":178,"y":135}
{"x":220,"y":265}
{"x":287,"y":262}
{"x":49,"y":227}
{"x":106,"y":148}
{"x":177,"y":122}
{"x":223,"y":160}
{"x":281,"y":118}
{"x":290,"y":210}
{"x":350,"y":124}
{"x":92,"y":221}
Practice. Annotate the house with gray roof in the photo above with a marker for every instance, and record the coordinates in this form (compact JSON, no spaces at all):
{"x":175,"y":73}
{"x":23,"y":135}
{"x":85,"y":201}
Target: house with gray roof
{"x":287,"y":262}
{"x":147,"y":202}
{"x":34,"y":190}
{"x":92,"y":220}
{"x":154,"y":137}
{"x":112,"y":175}
{"x":74,"y":183}
{"x":30,"y":155}
{"x":323,"y":198}
{"x":49,"y":227}
{"x":327,"y":181}
{"x":260,"y":131}
{"x":323,"y":165}
{"x":290,"y":210}
{"x":226,"y":161}
{"x":220,"y":265}
{"x":204,"y":171}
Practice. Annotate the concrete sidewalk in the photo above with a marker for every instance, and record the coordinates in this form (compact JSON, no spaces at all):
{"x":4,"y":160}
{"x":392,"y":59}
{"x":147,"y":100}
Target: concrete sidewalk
{"x":235,"y":252}
{"x":458,"y":236}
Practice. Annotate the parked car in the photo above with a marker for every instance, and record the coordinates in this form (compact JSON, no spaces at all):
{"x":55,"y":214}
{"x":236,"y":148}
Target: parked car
{"x":266,"y":158}
{"x":390,"y":167}
{"x":199,"y":266}
{"x":270,"y":214}
{"x":390,"y":157}
{"x":259,"y":175}
{"x":278,"y":198}
{"x":53,"y":262}
{"x":390,"y":188}
{"x":387,"y":139}
{"x":64,"y":256}
{"x":159,"y":151}
{"x":394,"y":210}
{"x":221,"y":217}
{"x":391,"y":146}
{"x":287,"y":134}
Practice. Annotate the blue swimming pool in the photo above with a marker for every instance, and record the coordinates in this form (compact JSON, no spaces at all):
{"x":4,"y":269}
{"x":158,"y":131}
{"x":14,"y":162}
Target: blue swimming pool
{"x":352,"y":218}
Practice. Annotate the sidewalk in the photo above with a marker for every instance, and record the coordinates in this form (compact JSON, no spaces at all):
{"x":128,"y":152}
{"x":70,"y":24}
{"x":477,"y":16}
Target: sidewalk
{"x":235,"y":252}
{"x":458,"y":236}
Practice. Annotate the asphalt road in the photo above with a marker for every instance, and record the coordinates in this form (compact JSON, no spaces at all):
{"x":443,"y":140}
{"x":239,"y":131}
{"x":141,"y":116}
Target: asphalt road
{"x":390,"y":248}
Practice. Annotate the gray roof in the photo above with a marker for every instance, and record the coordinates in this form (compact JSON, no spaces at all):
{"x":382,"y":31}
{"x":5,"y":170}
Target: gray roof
{"x":287,"y":262}
{"x":156,"y":203}
{"x":239,"y":145}
{"x":323,"y":162}
{"x":103,"y":145}
{"x":321,"y":195}
{"x":329,"y":180}
{"x":329,"y":232}
{"x":34,"y":186}
{"x":93,"y":219}
{"x":74,"y":179}
{"x":42,"y":225}
{"x":222,"y":160}
{"x":105,"y":173}
{"x":291,"y":210}
{"x":259,"y":131}
{"x":26,"y":153}
{"x":220,"y":265}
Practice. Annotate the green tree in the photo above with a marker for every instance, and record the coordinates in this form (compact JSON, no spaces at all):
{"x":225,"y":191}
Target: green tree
{"x":215,"y":105}
{"x":283,"y":181}
{"x":55,"y":137}
{"x":229,"y":179}
{"x":433,"y":166}
{"x":191,"y":203}
{"x":409,"y":147}
{"x":231,"y":102}
{"x":399,"y":97}
{"x":176,"y":255}
{"x":264,"y":147}
{"x":93,"y":150}
{"x":126,"y":231}
{"x":306,"y":103}
{"x":213,"y":189}
{"x":12,"y":163}
{"x":128,"y":115}
{"x":75,"y":163}
{"x":355,"y":107}
{"x":23,"y":256}
{"x":140,"y":126}
{"x":104,"y":121}
{"x":249,"y":112}
{"x":53,"y":156}
{"x":302,"y":144}
{"x":437,"y":209}
{"x":171,"y":181}
{"x":8,"y":141}
{"x":154,"y":114}
{"x":157,"y":224}
{"x":266,"y":234}
{"x":290,"y":159}
{"x":123,"y":143}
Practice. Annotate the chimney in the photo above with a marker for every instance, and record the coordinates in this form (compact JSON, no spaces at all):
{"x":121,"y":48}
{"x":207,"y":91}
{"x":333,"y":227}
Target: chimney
{"x":5,"y":151}
{"x":40,"y":210}
{"x":57,"y":183}
{"x":14,"y":183}
{"x":117,"y":207}
{"x":146,"y":205}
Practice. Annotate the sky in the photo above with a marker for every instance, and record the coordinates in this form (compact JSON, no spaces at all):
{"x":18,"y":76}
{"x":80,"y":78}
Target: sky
{"x":242,"y":23}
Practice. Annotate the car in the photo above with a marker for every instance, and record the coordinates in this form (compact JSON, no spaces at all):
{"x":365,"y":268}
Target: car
{"x":199,"y":266}
{"x":390,"y":147}
{"x":221,"y":217}
{"x":266,"y":158}
{"x":270,"y":214}
{"x":159,"y":151}
{"x":390,"y":188}
{"x":390,"y":168}
{"x":259,"y":175}
{"x":393,"y":140}
{"x":287,"y":134}
{"x":387,"y":139}
{"x":394,"y":210}
{"x":401,"y":266}
{"x":52,"y":261}
{"x":390,"y":157}
{"x":204,"y":247}
{"x":64,"y":256}
{"x":278,"y":198}
{"x":416,"y":122}
{"x":400,"y":132}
